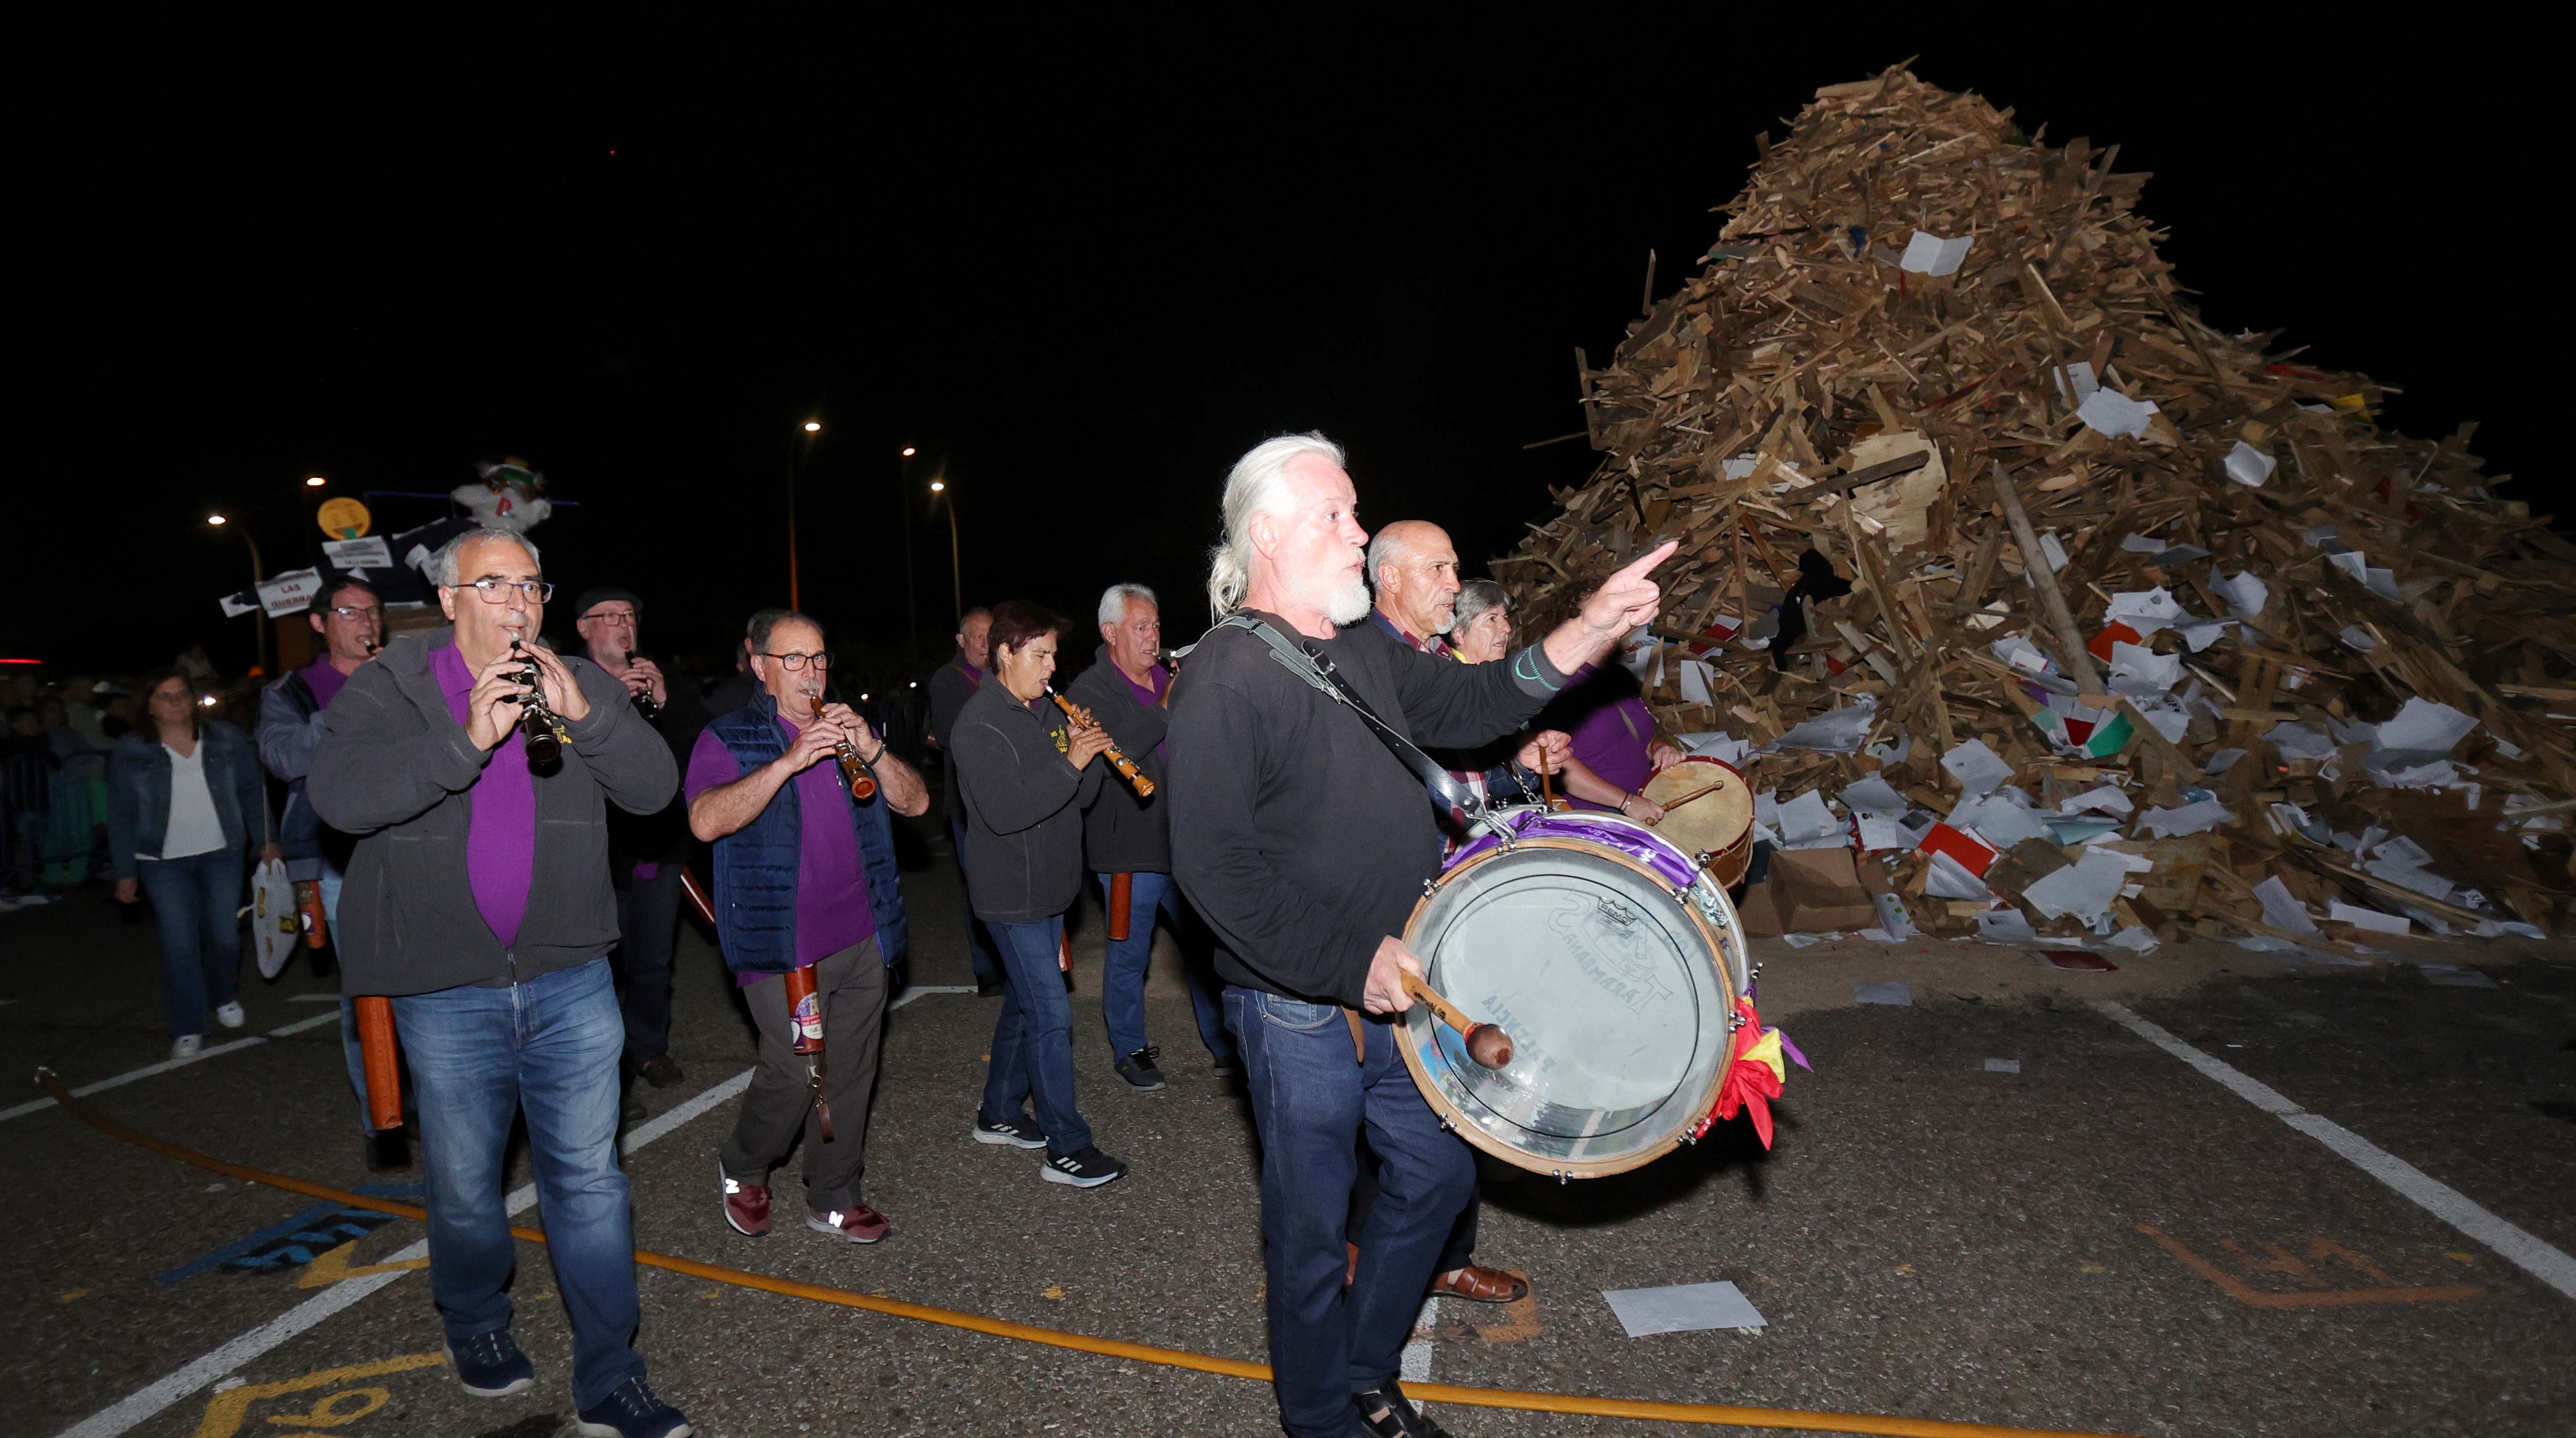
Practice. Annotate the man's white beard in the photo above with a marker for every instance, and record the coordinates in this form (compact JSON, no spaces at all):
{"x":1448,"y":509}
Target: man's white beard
{"x":1348,"y":601}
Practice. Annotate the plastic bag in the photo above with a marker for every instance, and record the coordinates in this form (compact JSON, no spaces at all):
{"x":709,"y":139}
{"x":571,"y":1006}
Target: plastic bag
{"x":274,"y":931}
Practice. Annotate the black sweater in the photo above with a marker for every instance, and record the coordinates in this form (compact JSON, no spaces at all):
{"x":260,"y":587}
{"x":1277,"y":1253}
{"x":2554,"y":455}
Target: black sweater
{"x":1299,"y":837}
{"x":1023,"y":800}
{"x":1122,"y":834}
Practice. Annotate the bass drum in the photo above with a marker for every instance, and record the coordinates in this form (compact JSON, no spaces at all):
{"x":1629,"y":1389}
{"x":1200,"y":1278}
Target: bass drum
{"x":1614,"y":962}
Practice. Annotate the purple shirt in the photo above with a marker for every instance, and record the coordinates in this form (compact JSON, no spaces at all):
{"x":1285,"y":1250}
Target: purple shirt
{"x":832,"y":910}
{"x":1614,"y":740}
{"x":1148,"y":697}
{"x":325,"y":681}
{"x":501,"y":835}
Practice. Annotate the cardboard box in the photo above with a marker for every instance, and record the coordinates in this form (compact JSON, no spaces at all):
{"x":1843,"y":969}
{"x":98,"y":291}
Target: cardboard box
{"x":1755,"y":911}
{"x":1818,"y":891}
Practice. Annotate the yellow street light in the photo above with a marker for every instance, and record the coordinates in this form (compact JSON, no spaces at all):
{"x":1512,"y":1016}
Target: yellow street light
{"x":936,"y":486}
{"x":812,"y":427}
{"x":214,"y":519}
{"x":314,"y":481}
{"x":909,"y":451}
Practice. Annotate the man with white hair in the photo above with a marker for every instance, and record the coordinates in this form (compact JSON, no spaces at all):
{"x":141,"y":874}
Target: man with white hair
{"x":1305,"y":842}
{"x":1128,"y":689}
{"x":487,"y":917}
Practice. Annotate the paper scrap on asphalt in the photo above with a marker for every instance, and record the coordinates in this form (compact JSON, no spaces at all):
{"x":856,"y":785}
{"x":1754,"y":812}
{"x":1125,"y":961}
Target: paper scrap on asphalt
{"x":2137,"y":939}
{"x":1892,"y":992}
{"x":2005,"y":926}
{"x":2003,"y":1066}
{"x":1683,"y":1308}
{"x":2083,"y":888}
{"x":2457,"y":976}
{"x":2281,"y":909}
{"x":1977,"y":768}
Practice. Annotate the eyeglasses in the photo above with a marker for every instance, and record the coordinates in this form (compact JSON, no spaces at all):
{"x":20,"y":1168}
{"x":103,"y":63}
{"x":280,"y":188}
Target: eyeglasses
{"x":497,"y":591}
{"x":357,"y":611}
{"x":793,"y":662}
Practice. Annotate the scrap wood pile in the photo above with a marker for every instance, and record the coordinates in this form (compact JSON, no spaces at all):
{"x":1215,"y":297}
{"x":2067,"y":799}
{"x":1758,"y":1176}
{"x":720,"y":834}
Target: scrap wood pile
{"x":2107,"y":620}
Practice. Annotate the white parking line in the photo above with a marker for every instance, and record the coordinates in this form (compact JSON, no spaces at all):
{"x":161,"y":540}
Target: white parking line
{"x":917,"y":990}
{"x":300,"y":1025}
{"x":142,"y":1404}
{"x":2539,"y":1259}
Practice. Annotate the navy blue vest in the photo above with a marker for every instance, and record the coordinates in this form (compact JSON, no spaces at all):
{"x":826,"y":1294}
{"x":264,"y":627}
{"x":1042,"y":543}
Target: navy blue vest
{"x":756,"y":864}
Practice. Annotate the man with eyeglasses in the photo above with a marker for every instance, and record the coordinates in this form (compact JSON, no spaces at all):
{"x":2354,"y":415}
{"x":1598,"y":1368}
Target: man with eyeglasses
{"x":647,"y":853}
{"x":480,"y":902}
{"x":349,"y":616}
{"x":805,"y":879}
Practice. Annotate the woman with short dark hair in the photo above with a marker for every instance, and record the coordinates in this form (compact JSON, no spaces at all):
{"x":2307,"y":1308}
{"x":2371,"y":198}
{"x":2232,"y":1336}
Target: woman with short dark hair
{"x":185,"y":805}
{"x":1024,"y":776}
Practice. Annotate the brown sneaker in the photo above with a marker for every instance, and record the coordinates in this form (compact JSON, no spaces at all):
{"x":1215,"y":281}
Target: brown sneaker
{"x":746,"y":1206}
{"x":858,"y":1224}
{"x":661,"y":1071}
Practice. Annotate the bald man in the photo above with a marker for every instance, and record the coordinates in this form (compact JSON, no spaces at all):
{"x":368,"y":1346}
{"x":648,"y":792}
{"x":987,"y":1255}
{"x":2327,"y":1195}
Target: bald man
{"x":1414,"y":569}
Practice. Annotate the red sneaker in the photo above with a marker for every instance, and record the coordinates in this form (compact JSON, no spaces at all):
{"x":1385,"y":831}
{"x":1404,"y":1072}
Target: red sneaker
{"x":858,"y":1224}
{"x":746,"y":1206}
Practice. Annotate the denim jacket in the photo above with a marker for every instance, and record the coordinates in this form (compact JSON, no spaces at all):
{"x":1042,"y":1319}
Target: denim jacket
{"x":138,"y":794}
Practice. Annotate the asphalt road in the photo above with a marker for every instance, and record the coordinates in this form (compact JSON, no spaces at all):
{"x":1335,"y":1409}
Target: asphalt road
{"x":2106,"y":1240}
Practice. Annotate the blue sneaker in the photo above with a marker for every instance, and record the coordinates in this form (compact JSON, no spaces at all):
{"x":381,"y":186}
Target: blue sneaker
{"x":490,"y":1365}
{"x":631,"y":1411}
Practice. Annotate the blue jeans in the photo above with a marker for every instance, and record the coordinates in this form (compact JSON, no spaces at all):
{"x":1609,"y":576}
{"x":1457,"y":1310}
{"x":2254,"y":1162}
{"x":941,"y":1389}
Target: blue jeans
{"x":1311,"y":1099}
{"x":478,"y":1056}
{"x":980,"y":950}
{"x":1122,"y":979}
{"x":198,"y":903}
{"x":1033,"y":1039}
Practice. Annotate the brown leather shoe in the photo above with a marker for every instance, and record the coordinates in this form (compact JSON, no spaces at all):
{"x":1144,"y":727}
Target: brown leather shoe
{"x":661,"y":1071}
{"x":1479,"y":1284}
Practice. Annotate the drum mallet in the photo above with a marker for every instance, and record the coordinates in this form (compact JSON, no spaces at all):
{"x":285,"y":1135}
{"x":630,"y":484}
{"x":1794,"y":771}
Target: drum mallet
{"x":1489,"y":1046}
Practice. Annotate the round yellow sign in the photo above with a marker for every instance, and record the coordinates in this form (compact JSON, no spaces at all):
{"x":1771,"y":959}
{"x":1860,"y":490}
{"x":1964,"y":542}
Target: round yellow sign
{"x":344,"y":518}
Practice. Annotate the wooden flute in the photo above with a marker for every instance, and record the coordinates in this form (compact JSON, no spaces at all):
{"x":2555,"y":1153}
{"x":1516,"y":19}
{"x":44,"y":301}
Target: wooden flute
{"x":1125,"y":766}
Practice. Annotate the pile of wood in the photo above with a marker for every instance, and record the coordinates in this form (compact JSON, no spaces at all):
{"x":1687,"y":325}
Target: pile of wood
{"x":1841,"y":378}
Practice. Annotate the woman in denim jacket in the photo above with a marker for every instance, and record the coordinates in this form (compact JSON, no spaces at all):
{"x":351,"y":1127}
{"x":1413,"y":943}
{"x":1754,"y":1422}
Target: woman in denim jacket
{"x":185,"y":804}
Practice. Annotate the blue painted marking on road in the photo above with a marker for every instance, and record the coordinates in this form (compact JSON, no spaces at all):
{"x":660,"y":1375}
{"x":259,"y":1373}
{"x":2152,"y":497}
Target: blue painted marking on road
{"x":292,"y":1234}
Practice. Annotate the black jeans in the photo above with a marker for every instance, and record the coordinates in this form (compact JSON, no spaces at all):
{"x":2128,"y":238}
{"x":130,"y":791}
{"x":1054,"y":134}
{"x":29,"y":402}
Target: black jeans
{"x":648,"y":931}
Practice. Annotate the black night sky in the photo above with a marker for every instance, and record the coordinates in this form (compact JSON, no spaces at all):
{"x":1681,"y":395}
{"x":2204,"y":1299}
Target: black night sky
{"x":1081,"y":269}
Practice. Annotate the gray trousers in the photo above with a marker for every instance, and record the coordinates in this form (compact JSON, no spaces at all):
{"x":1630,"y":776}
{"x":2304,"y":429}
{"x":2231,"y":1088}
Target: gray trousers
{"x":852,"y":986}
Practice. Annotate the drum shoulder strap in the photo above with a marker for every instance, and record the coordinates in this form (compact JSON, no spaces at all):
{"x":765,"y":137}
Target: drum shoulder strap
{"x":1321,"y":677}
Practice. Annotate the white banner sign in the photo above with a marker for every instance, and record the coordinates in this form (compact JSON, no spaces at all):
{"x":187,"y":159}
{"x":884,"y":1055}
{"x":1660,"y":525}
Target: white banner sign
{"x":289,"y":593}
{"x":348,"y":554}
{"x":238,"y":604}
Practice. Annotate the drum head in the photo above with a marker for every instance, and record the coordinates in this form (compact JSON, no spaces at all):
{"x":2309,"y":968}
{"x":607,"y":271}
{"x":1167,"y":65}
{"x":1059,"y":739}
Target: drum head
{"x":1616,"y":995}
{"x":1712,"y":823}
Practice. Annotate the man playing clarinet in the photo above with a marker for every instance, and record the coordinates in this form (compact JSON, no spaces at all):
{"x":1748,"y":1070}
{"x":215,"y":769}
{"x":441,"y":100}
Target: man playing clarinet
{"x":478,"y":898}
{"x":805,"y":879}
{"x":1305,"y":843}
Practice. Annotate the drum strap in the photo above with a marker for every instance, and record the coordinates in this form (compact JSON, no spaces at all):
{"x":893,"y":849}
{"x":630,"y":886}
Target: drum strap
{"x":1463,"y":806}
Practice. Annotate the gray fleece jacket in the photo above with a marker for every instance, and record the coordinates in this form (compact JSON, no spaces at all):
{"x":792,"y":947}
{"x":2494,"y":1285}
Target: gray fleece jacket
{"x":1023,"y":803}
{"x":395,"y":769}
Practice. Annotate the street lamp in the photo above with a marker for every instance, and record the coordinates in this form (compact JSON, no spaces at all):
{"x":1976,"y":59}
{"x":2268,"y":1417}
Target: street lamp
{"x":911,"y":601}
{"x":796,"y":455}
{"x":314,"y":481}
{"x":258,"y":572}
{"x":956,"y":579}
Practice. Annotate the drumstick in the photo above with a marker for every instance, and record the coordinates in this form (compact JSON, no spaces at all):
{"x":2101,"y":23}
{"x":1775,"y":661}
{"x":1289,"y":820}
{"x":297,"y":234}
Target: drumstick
{"x":1489,"y":1046}
{"x":1695,"y":794}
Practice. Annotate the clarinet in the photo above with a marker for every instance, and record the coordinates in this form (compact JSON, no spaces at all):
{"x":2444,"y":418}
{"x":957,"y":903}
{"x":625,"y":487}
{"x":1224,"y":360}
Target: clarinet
{"x":537,"y":719}
{"x":645,"y":703}
{"x":1125,"y":766}
{"x":855,"y":771}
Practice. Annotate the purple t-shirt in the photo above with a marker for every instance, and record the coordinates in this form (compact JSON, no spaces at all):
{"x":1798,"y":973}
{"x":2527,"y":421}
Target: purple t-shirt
{"x":325,"y":681}
{"x":501,"y":838}
{"x":1149,"y":697}
{"x":832,"y":910}
{"x":1614,"y":741}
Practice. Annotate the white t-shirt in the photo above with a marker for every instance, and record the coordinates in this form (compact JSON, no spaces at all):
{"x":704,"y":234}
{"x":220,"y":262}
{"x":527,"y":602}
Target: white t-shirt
{"x":194,"y":829}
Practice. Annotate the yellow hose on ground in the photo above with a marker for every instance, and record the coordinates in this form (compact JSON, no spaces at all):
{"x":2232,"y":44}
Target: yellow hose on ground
{"x":1713,"y":1414}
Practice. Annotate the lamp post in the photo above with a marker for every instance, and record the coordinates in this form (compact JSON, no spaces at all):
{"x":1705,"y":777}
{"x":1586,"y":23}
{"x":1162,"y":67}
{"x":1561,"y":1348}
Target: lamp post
{"x":258,"y":573}
{"x":956,"y":579}
{"x":797,"y":452}
{"x":911,"y":605}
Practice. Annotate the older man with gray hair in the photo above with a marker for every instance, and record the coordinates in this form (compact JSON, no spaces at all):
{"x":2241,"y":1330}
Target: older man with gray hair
{"x":1305,"y":842}
{"x":487,"y":917}
{"x":1127,"y":840}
